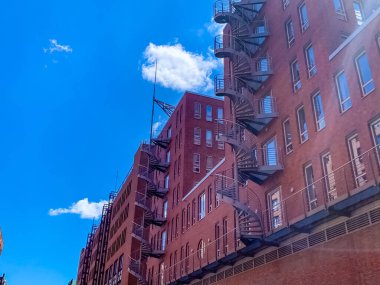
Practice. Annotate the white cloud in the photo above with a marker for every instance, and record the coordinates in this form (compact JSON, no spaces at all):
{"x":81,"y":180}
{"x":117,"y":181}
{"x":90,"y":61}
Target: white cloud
{"x":179,"y":69}
{"x":214,"y":28}
{"x":56,"y":47}
{"x":158,"y":125}
{"x":84,"y":208}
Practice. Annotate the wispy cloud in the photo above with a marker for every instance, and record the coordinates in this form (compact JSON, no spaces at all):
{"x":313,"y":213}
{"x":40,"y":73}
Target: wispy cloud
{"x":84,"y":208}
{"x":214,"y":28}
{"x":178,"y":68}
{"x":157,"y":126}
{"x":56,"y":47}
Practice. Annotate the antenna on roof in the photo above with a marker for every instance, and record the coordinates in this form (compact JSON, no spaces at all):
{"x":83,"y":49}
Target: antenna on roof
{"x":167,"y":108}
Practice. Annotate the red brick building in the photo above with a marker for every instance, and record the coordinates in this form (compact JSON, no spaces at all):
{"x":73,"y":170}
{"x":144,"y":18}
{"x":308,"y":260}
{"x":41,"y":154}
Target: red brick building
{"x":294,"y":196}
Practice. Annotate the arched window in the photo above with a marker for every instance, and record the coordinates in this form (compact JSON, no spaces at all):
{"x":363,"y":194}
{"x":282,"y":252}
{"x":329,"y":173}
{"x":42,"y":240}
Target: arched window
{"x":201,"y":249}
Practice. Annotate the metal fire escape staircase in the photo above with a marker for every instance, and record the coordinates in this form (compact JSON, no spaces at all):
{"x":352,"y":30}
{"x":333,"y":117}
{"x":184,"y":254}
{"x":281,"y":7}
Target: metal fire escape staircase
{"x":246,"y":203}
{"x":153,"y":189}
{"x":155,"y":163}
{"x":150,"y":217}
{"x":87,"y":256}
{"x":102,"y":246}
{"x":248,"y":73}
{"x":163,"y":141}
{"x":254,"y":163}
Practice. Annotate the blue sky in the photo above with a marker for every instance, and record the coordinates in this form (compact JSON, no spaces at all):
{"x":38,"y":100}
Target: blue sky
{"x":74,"y":105}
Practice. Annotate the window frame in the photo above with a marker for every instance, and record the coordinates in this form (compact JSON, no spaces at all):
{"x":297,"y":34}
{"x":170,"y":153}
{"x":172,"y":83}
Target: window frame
{"x":209,"y":163}
{"x":304,"y":23}
{"x":297,"y":85}
{"x":272,"y":210}
{"x":329,"y":178}
{"x":202,"y":206}
{"x":362,"y":14}
{"x":310,"y":188}
{"x":318,"y":122}
{"x":372,"y":125}
{"x":311,"y":69}
{"x":285,"y":4}
{"x":304,"y":136}
{"x":209,"y":142}
{"x":197,"y":136}
{"x":268,"y":156}
{"x":339,"y":90}
{"x":340,"y":12}
{"x":291,"y":39}
{"x":358,"y":167}
{"x":196,"y":163}
{"x":197,"y":110}
{"x":209,"y":113}
{"x":359,"y":73}
{"x":287,"y":145}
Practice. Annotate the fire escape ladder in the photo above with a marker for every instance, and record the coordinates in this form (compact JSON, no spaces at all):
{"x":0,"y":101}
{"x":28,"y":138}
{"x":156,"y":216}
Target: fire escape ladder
{"x":87,"y":256}
{"x":161,"y":142}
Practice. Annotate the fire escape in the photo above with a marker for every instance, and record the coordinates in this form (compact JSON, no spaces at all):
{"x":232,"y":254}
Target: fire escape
{"x":101,"y":252}
{"x":87,"y":256}
{"x":143,"y":202}
{"x":249,"y":68}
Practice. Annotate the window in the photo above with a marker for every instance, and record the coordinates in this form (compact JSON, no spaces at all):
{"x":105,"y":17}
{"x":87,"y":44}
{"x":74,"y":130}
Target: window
{"x":270,"y":151}
{"x":225,"y":238}
{"x":304,"y":19}
{"x":358,"y":166}
{"x":263,"y":64}
{"x":220,"y":113}
{"x":197,"y":135}
{"x":208,"y":113}
{"x":178,"y":193}
{"x":302,"y":126}
{"x":165,"y":209}
{"x":266,"y":106}
{"x":329,"y":177}
{"x":220,"y":143}
{"x":197,"y":110}
{"x":193,"y":212}
{"x":201,"y":249}
{"x":318,"y":112}
{"x":287,"y":136}
{"x":343,"y":92}
{"x":163,"y":240}
{"x":167,"y":182}
{"x":358,"y":12}
{"x":209,"y":163}
{"x":310,"y":188}
{"x":196,"y":162}
{"x":169,"y":133}
{"x":296,"y":79}
{"x":188,"y":216}
{"x":183,"y":224}
{"x":162,"y":273}
{"x":339,"y":8}
{"x":202,"y":206}
{"x":274,"y":200}
{"x":285,"y":3}
{"x":208,"y":138}
{"x":168,"y":156}
{"x":176,"y":226}
{"x":290,"y":32}
{"x":120,"y":270}
{"x":310,"y":60}
{"x":375,"y":128}
{"x":364,"y":71}
{"x":209,"y":195}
